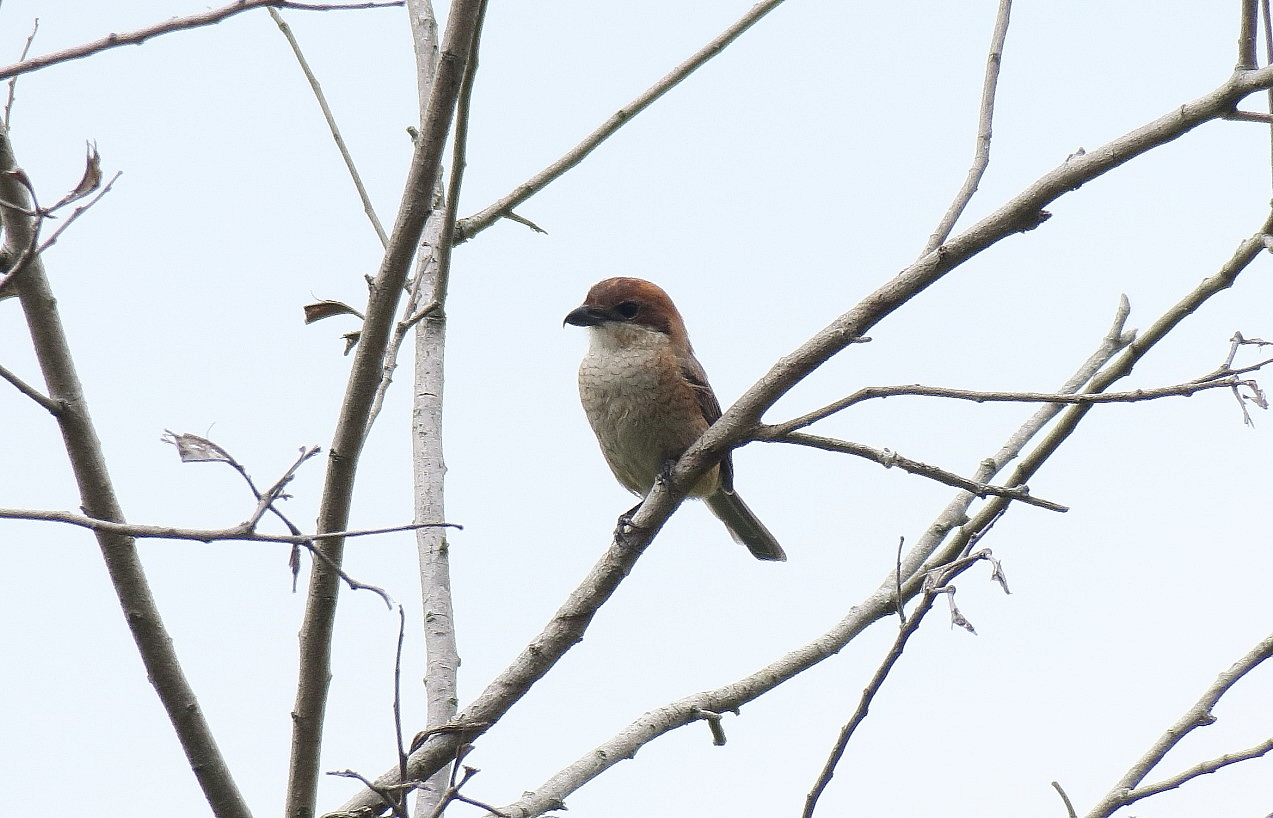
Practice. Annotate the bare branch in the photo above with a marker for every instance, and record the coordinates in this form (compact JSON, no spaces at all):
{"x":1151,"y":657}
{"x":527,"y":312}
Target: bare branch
{"x":1220,"y":379}
{"x":936,"y":585}
{"x":1126,"y":791}
{"x":981,"y":155}
{"x":1247,"y":28}
{"x":1065,"y":799}
{"x":889,"y":459}
{"x":314,"y":673}
{"x":99,"y":500}
{"x":1200,"y":769}
{"x":433,"y":277}
{"x":13,"y":81}
{"x":141,"y":35}
{"x":75,"y":214}
{"x":30,"y":391}
{"x":367,"y":206}
{"x":241,"y":532}
{"x":471,"y":226}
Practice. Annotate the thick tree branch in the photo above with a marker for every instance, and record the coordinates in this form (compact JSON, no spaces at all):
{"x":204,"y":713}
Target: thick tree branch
{"x":98,"y":499}
{"x":351,"y":429}
{"x":432,"y":280}
{"x":200,"y":20}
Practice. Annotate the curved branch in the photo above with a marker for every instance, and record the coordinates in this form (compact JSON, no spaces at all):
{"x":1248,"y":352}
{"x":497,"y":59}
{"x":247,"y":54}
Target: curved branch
{"x":981,"y":155}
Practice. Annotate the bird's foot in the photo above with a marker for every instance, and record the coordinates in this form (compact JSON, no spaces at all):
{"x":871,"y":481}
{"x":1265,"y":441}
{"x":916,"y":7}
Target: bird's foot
{"x":625,"y":528}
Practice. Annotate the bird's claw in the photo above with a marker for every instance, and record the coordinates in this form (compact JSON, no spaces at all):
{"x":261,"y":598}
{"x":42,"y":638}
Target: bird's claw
{"x":625,"y":528}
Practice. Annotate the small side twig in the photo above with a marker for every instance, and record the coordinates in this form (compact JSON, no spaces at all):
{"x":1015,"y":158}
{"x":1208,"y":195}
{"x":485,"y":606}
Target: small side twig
{"x":936,"y":584}
{"x":889,"y":459}
{"x":13,"y":81}
{"x":30,"y":391}
{"x":981,"y":155}
{"x":397,"y":694}
{"x":390,"y":795}
{"x":1069,"y":806}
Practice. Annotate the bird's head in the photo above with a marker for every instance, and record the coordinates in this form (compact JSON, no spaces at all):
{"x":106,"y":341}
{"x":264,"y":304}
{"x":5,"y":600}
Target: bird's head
{"x":630,"y":301}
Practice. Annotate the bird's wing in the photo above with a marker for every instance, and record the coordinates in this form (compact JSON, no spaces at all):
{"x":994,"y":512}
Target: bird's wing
{"x":696,"y":377}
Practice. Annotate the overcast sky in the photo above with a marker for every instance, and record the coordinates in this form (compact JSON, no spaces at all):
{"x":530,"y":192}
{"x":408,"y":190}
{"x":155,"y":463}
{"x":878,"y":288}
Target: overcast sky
{"x":787,"y":179}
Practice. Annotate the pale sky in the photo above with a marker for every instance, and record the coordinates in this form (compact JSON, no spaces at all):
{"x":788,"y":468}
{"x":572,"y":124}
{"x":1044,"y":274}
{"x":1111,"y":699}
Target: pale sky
{"x":784,"y":181}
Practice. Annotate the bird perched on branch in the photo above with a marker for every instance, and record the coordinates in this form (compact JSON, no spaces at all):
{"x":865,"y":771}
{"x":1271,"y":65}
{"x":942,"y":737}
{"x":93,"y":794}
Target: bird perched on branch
{"x":648,"y":399}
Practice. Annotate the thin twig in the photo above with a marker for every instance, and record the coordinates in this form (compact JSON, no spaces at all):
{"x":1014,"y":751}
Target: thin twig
{"x":471,"y":226}
{"x":79,"y":211}
{"x":390,"y":795}
{"x":981,"y":154}
{"x":397,"y":699}
{"x":13,"y":81}
{"x":888,"y":459}
{"x":141,"y":35}
{"x":314,"y":85}
{"x":1069,"y":806}
{"x":237,"y":533}
{"x":1221,"y":379}
{"x":936,"y":586}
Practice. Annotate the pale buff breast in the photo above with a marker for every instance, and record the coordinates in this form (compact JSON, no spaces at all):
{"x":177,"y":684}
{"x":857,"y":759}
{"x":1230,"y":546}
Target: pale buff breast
{"x":641,"y":409}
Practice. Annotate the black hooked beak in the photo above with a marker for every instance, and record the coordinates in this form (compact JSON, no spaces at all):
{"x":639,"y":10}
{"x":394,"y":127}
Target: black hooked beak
{"x":587,"y":316}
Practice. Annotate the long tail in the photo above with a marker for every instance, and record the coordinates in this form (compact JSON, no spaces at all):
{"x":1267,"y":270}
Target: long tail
{"x":744,"y":526}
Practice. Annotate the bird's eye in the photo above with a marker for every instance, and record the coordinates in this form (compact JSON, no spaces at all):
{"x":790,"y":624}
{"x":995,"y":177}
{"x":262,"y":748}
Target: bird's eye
{"x":628,"y":309}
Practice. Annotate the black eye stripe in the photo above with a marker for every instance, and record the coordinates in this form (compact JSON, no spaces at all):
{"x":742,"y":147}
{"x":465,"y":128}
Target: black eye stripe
{"x":628,"y":309}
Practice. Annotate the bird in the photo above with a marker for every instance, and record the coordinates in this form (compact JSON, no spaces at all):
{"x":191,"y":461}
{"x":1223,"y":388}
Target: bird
{"x":648,"y":400}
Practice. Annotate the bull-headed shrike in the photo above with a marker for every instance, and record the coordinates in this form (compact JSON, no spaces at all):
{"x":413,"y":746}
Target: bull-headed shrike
{"x":648,"y":400}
